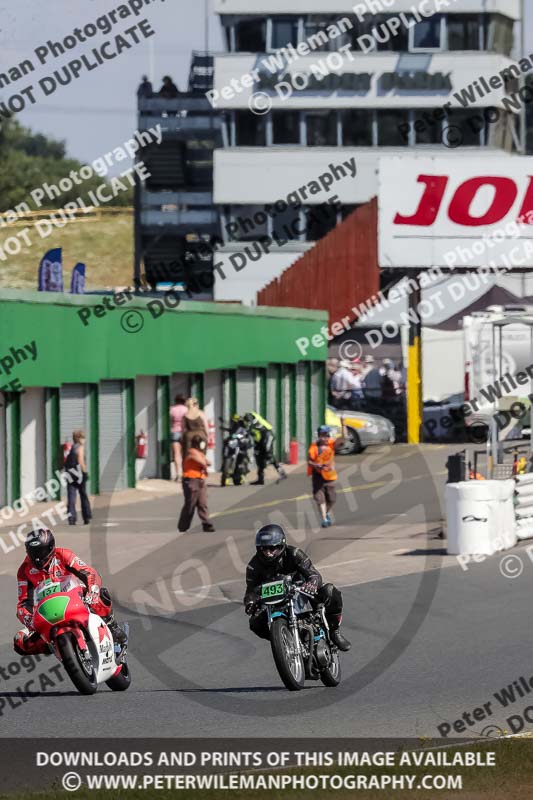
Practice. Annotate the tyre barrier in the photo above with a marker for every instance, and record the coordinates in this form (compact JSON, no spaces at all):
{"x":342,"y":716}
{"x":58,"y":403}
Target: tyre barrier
{"x":523,"y":502}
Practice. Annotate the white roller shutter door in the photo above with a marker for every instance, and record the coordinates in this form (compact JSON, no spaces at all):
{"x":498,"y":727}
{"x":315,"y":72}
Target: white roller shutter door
{"x":316,"y":390}
{"x":112,"y":436}
{"x":301,"y":410}
{"x":271,"y":395}
{"x":74,"y":410}
{"x":246,"y":391}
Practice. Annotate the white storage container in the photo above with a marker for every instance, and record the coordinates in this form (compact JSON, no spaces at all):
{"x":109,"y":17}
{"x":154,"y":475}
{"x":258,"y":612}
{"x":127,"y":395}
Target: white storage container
{"x":480,"y":517}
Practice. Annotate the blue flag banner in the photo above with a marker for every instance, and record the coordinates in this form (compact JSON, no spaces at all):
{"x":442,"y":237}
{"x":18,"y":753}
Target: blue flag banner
{"x":51,"y":272}
{"x":77,"y":283}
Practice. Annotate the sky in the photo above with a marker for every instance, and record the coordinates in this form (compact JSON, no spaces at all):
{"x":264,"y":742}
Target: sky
{"x":97,"y":112}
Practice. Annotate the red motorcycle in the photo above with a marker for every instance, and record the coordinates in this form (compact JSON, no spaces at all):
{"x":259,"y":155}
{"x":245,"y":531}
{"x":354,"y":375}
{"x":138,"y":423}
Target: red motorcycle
{"x":80,"y":639}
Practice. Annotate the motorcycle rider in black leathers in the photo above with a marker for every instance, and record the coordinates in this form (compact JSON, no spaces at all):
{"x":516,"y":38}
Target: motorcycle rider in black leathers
{"x":273,"y":558}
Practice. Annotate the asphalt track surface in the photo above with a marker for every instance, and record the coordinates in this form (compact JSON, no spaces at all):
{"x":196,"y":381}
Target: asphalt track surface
{"x":427,"y":645}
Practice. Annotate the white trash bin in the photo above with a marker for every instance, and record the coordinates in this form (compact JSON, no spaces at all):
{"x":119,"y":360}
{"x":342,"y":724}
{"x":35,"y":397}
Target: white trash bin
{"x":480,"y":516}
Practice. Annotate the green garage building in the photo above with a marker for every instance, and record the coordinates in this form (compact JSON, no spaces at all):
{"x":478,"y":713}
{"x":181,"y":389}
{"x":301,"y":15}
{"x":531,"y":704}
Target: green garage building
{"x":114,"y":374}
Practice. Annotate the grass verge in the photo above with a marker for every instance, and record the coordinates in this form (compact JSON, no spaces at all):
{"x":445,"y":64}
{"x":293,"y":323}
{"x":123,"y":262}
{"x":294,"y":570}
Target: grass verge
{"x":103,"y":243}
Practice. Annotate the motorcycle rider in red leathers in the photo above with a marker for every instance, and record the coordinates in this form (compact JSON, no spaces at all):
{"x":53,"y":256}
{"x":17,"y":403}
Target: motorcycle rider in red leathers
{"x":43,"y":561}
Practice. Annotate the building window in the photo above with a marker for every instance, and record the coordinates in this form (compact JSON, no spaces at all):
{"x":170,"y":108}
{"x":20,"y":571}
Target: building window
{"x":286,"y":224}
{"x":357,"y":128}
{"x":389,"y":130}
{"x":321,"y":128}
{"x":362,"y":28}
{"x":316,"y":35}
{"x":347,"y":210}
{"x":285,"y":127}
{"x":386,"y":40}
{"x":428,"y":34}
{"x":284,"y":32}
{"x":250,"y":35}
{"x":464,"y":127}
{"x":500,"y":34}
{"x":249,"y":130}
{"x":247,"y":223}
{"x":320,"y":221}
{"x":463,"y":31}
{"x":430,"y":128}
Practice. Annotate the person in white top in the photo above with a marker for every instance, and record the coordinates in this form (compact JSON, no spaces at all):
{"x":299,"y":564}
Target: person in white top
{"x":344,"y":383}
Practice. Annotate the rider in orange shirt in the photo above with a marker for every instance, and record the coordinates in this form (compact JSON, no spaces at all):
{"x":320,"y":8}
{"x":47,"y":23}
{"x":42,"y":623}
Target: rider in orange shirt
{"x":321,"y":467}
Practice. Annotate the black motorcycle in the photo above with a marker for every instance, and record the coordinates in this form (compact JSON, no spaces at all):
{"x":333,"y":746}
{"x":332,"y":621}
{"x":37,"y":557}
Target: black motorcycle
{"x":235,"y":454}
{"x":299,"y":635}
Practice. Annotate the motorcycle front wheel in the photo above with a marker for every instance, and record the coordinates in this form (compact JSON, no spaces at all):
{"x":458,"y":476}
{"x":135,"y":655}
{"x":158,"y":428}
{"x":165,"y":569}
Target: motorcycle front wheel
{"x":80,"y":673}
{"x":289,"y":664}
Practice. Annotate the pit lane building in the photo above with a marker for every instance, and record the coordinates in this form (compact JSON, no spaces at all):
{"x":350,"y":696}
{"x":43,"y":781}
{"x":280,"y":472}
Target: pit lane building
{"x":117,"y":375}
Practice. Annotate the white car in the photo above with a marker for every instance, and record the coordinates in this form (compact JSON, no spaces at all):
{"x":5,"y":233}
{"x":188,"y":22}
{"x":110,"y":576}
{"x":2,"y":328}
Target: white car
{"x":355,"y":430}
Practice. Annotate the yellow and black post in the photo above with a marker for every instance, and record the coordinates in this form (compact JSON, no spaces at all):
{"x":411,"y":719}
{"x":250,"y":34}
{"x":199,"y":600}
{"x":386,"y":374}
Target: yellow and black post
{"x":414,"y":369}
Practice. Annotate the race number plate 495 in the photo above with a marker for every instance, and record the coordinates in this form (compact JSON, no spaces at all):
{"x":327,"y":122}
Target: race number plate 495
{"x":272,"y":589}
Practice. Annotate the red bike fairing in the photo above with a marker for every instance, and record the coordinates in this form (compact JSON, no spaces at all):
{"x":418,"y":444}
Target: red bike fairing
{"x":63,"y":562}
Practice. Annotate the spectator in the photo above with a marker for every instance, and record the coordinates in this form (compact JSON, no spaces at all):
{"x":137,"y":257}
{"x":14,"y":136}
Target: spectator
{"x":372,"y":380}
{"x":388,"y":389}
{"x":396,"y":376}
{"x":356,"y":371}
{"x":168,"y":89}
{"x":366,"y":366}
{"x":145,"y":88}
{"x":194,"y":423}
{"x":343,"y":384}
{"x":194,"y":487}
{"x":177,"y":412}
{"x":75,"y":458}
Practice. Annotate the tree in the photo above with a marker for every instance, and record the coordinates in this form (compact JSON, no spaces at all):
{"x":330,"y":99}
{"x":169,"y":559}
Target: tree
{"x":29,"y":160}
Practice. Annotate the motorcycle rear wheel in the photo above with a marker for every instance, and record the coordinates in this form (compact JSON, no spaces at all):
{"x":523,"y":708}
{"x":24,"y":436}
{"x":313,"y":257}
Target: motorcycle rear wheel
{"x":83,"y":680}
{"x":289,"y":665}
{"x":122,"y":681}
{"x":331,"y":676}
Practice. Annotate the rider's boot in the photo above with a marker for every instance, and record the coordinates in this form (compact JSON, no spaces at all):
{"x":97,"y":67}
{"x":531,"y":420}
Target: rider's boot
{"x":336,"y":636}
{"x":281,"y":474}
{"x":29,"y":644}
{"x":116,"y":631}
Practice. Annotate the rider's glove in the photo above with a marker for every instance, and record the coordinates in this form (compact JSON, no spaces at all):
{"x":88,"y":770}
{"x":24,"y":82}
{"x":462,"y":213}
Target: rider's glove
{"x":309,"y":588}
{"x":250,"y":608}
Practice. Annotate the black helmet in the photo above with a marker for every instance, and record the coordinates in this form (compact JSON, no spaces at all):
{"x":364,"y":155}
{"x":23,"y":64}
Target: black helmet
{"x":249,"y":419}
{"x":270,"y":543}
{"x":40,"y":547}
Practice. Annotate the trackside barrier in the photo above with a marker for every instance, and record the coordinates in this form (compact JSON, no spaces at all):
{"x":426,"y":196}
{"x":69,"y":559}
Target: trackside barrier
{"x":480,"y":517}
{"x":523,"y":499}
